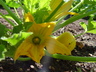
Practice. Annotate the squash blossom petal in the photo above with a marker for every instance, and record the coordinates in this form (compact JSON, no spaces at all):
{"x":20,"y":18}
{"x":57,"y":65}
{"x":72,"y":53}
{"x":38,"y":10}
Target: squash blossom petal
{"x":33,"y":46}
{"x":63,"y":10}
{"x":68,"y":40}
{"x":28,"y":17}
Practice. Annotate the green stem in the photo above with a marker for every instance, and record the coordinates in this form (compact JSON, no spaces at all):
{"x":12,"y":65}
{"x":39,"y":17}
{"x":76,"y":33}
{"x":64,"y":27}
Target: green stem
{"x":58,"y":22}
{"x":24,"y":59}
{"x":86,"y":9}
{"x":80,"y":34}
{"x":72,"y":58}
{"x":16,"y":12}
{"x":74,"y":18}
{"x":89,"y":2}
{"x":53,"y":13}
{"x":79,"y":4}
{"x":7,"y":19}
{"x":23,"y":7}
{"x":10,"y":12}
{"x":70,"y":11}
{"x":65,"y":57}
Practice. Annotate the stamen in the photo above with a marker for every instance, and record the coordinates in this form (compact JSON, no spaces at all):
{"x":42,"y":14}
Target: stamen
{"x":36,"y":40}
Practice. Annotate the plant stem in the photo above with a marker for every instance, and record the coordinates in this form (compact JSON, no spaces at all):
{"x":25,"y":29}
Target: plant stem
{"x":10,"y":12}
{"x":53,"y":13}
{"x":7,"y":19}
{"x":80,"y":34}
{"x":64,"y":57}
{"x":90,"y":2}
{"x":74,"y":18}
{"x":16,"y":12}
{"x":72,"y":58}
{"x":79,"y":4}
{"x":86,"y":9}
{"x":70,"y":11}
{"x":24,"y":59}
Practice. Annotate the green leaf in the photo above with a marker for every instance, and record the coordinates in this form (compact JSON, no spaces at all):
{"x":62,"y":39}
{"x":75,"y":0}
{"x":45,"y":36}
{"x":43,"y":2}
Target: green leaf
{"x":91,"y":24}
{"x":2,"y":30}
{"x":13,"y":4}
{"x":7,"y":1}
{"x":90,"y":27}
{"x":27,"y":25}
{"x":40,"y":15}
{"x":44,"y":4}
{"x":30,"y":5}
{"x":16,"y":38}
{"x":38,"y":8}
{"x":17,"y":29}
{"x":2,"y":51}
{"x":90,"y":1}
{"x":10,"y":52}
{"x":83,"y":25}
{"x":92,"y":31}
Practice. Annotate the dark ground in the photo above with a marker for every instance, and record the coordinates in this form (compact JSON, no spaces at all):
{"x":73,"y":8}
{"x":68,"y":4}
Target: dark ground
{"x":86,"y":47}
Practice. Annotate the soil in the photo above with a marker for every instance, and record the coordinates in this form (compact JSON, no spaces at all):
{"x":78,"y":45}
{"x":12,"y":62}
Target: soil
{"x":86,"y":46}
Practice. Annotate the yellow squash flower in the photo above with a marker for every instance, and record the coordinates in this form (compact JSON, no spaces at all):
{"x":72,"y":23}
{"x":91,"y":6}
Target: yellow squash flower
{"x":28,"y":17}
{"x":34,"y":45}
{"x":63,"y":10}
{"x":68,"y":40}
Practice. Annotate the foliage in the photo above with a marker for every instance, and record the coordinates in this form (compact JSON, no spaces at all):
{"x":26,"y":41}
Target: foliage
{"x":90,"y":27}
{"x":43,"y":11}
{"x":83,"y":5}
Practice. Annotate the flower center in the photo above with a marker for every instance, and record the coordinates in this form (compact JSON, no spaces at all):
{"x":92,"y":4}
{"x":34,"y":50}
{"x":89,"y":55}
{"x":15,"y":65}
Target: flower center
{"x":36,"y":40}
